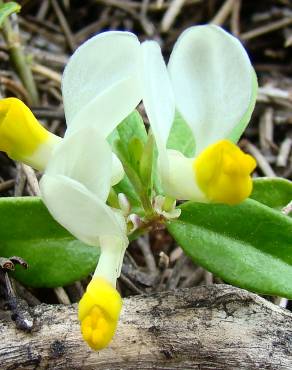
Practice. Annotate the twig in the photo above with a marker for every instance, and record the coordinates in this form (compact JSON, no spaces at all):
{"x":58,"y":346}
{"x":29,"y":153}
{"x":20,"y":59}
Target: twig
{"x":93,"y":28}
{"x":147,"y":26}
{"x":18,"y":59}
{"x":62,"y":295}
{"x":31,"y":179}
{"x":75,"y":291}
{"x":6,"y":185}
{"x":235,"y":18}
{"x":223,"y":13}
{"x":159,"y":5}
{"x":16,"y":88}
{"x":20,"y":181}
{"x":261,"y":160}
{"x":47,"y":72}
{"x":284,"y":152}
{"x":266,"y":130}
{"x":208,"y":277}
{"x":194,"y":278}
{"x":176,"y":272}
{"x":25,"y":294}
{"x":43,"y":9}
{"x":266,"y":29}
{"x":64,"y":24}
{"x":143,"y":243}
{"x":144,"y":8}
{"x":130,"y":284}
{"x":275,"y":93}
{"x":171,"y":13}
{"x":281,"y":302}
{"x":288,"y":209}
{"x":49,"y":113}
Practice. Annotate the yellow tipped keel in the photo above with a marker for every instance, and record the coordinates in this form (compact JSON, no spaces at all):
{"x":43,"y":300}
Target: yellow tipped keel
{"x":22,"y":137}
{"x":98,"y":312}
{"x":222,"y":172}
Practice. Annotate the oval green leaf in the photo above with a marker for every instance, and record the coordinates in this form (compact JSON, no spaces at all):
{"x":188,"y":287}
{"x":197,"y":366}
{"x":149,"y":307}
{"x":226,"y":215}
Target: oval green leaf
{"x":54,"y":256}
{"x":273,"y":192}
{"x":248,"y":245}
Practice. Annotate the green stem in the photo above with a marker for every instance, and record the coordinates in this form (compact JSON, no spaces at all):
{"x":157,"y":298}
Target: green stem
{"x":157,"y":222}
{"x":19,"y":62}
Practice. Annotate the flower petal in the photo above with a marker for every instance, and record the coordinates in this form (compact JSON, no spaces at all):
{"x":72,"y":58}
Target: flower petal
{"x":117,"y":170}
{"x":158,"y":97}
{"x":238,"y":129}
{"x":78,"y":210}
{"x":212,"y":78}
{"x":86,"y":158}
{"x":180,"y":182}
{"x":101,"y":83}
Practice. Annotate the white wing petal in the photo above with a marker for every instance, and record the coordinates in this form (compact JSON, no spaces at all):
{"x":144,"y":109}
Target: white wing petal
{"x":86,"y":158}
{"x":79,"y":211}
{"x":101,"y":82}
{"x":211,"y":76}
{"x":158,"y":97}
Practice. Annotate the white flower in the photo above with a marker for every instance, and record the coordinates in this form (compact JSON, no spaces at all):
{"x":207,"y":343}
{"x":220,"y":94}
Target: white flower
{"x":210,"y":81}
{"x":101,"y":86}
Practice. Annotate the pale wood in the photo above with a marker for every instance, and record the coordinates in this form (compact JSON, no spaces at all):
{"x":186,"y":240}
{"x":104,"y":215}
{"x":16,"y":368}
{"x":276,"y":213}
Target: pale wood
{"x":212,"y":327}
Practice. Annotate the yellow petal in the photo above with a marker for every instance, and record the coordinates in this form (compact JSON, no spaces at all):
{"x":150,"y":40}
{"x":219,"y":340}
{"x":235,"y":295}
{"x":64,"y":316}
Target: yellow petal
{"x":22,"y":137}
{"x":98,"y":312}
{"x":222,"y":172}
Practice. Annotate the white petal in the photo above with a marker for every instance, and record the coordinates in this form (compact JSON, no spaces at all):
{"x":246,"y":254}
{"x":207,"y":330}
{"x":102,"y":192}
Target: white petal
{"x":111,"y":258}
{"x":211,"y":76}
{"x":79,"y":211}
{"x":158,"y":97}
{"x":101,"y":83}
{"x":117,"y":170}
{"x":180,"y":182}
{"x":86,"y":158}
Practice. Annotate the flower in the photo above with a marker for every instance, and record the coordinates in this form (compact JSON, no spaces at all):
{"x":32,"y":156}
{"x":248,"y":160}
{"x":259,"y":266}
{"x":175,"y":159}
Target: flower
{"x":75,"y":189}
{"x":80,"y":169}
{"x":22,"y":137}
{"x":210,"y":81}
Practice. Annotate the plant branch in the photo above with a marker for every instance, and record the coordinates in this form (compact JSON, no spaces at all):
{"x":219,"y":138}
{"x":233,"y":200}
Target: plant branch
{"x":19,"y":61}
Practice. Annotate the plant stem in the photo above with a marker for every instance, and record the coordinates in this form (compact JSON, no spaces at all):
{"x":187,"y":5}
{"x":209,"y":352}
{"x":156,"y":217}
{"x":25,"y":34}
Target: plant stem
{"x":18,"y":59}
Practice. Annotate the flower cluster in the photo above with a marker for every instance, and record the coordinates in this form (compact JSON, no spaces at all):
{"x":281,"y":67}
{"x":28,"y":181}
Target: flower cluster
{"x":209,"y":80}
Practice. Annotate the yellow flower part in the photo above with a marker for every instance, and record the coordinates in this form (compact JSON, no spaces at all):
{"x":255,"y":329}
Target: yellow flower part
{"x":98,"y":312}
{"x":222,"y":172}
{"x":22,"y":137}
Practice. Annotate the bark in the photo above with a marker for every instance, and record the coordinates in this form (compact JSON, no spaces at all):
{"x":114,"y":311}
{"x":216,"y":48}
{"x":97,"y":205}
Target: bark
{"x":211,"y":327}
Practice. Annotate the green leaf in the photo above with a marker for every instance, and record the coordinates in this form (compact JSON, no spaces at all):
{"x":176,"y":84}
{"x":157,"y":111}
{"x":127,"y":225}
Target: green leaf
{"x":126,"y":188}
{"x":131,"y":128}
{"x":240,"y":127}
{"x":54,"y":256}
{"x":271,"y":191}
{"x":135,"y":150}
{"x":7,"y":9}
{"x":147,"y":164}
{"x":248,"y":245}
{"x":181,"y":137}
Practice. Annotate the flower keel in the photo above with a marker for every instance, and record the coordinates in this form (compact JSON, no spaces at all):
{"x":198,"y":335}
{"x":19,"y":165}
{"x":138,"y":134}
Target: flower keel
{"x":22,"y":137}
{"x":98,"y":312}
{"x":222,"y":171}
